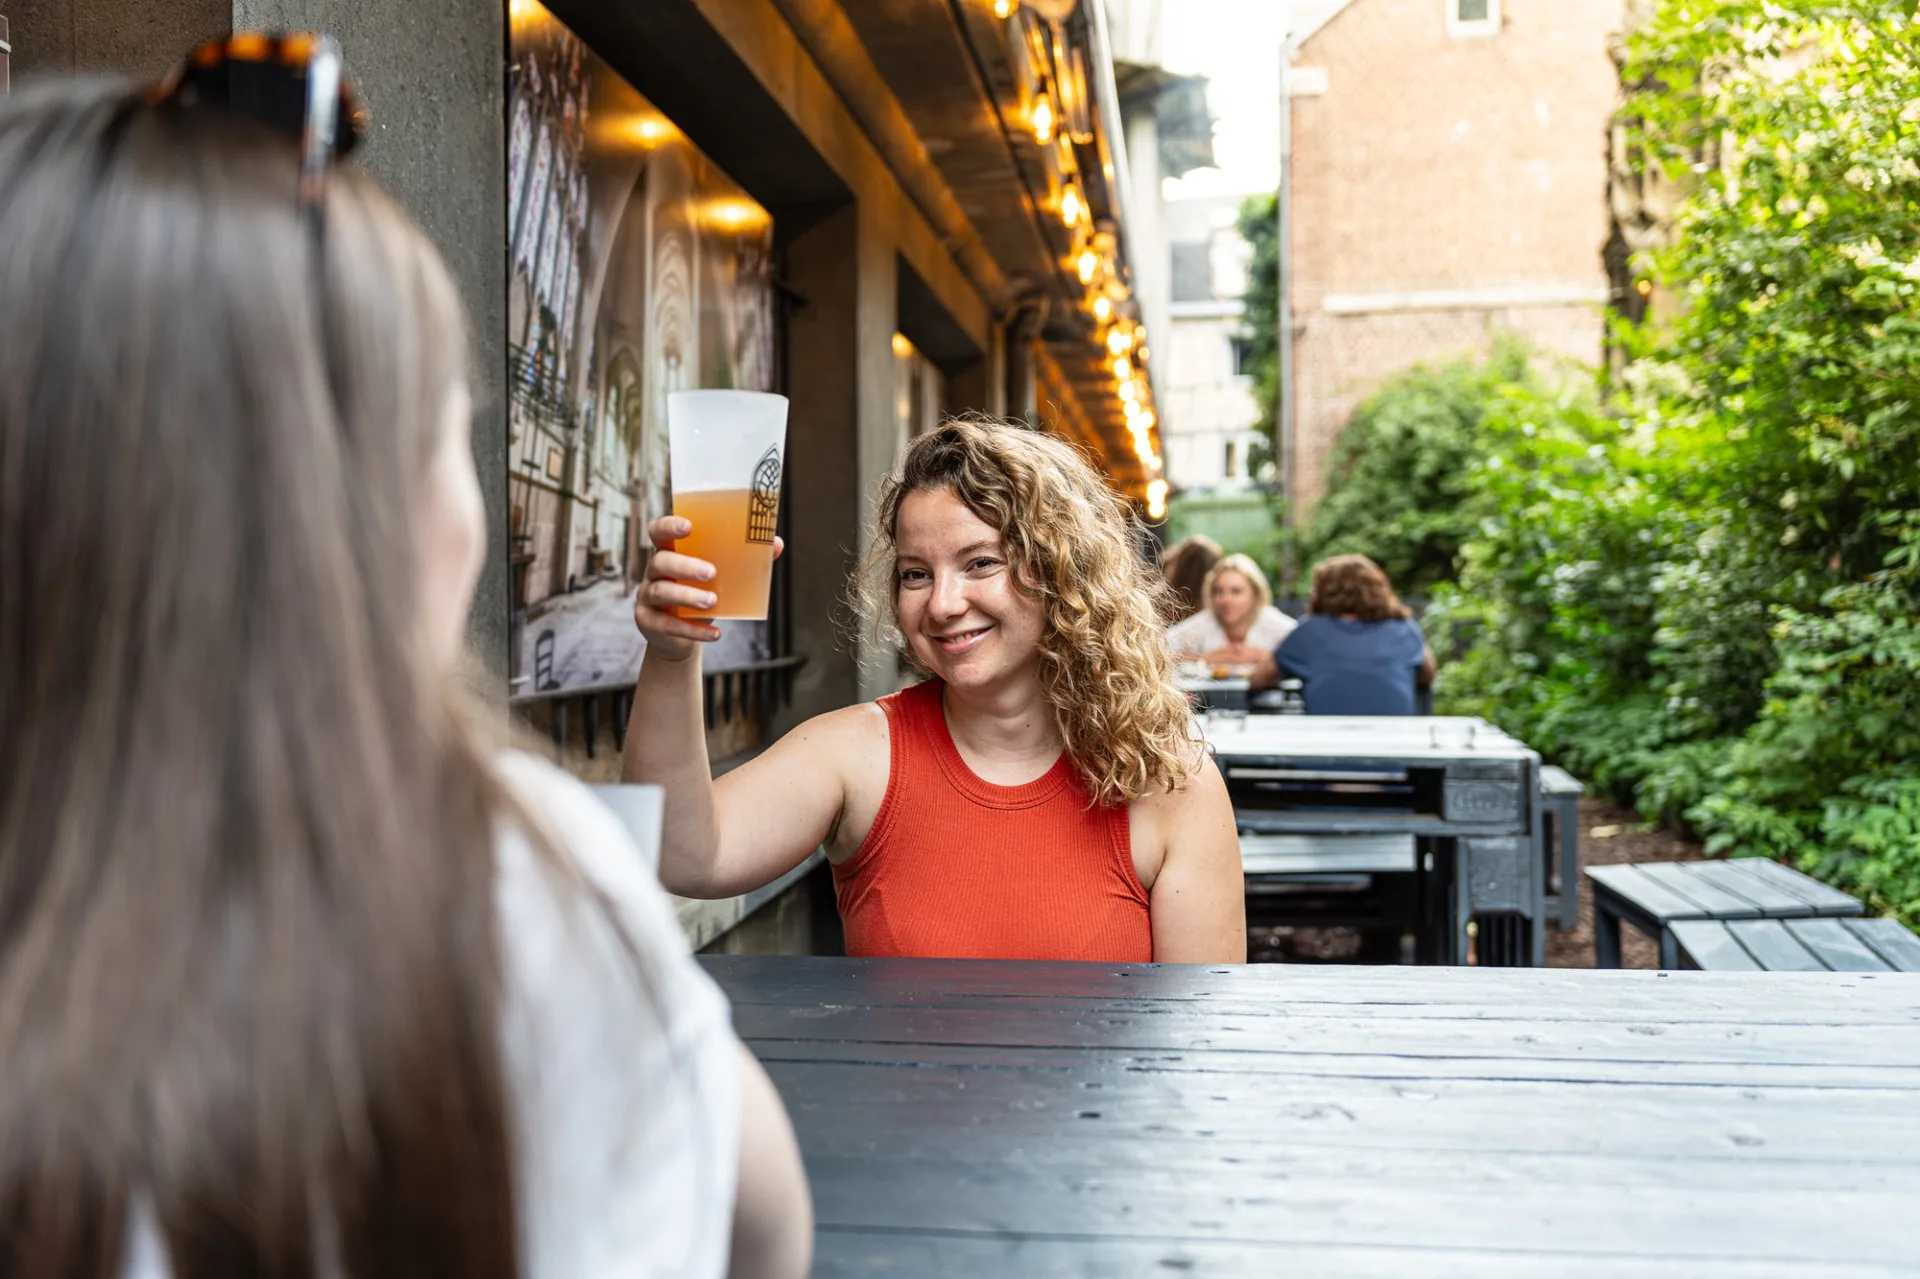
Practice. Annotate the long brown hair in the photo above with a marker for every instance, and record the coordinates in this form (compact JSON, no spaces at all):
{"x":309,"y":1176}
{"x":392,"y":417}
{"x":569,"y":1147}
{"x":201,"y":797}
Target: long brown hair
{"x":1354,"y":586}
{"x":249,"y":979}
{"x":1072,"y":544}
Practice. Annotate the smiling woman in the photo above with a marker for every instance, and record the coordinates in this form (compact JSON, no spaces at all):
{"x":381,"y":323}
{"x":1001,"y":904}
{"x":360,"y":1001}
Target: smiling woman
{"x":1039,"y":796}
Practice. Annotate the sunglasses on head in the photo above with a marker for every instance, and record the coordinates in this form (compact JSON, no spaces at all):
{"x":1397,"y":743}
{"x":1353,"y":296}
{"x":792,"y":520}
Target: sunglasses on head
{"x":292,"y":82}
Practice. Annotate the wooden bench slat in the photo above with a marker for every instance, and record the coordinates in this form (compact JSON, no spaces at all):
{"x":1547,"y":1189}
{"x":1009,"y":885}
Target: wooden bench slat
{"x":1823,"y":899}
{"x":1890,"y":940}
{"x":1319,"y":854}
{"x":1555,"y":780}
{"x":1773,"y":899}
{"x":1711,"y":947}
{"x":1646,"y":892}
{"x":1690,"y":880}
{"x":1835,"y":947}
{"x":1776,"y":949}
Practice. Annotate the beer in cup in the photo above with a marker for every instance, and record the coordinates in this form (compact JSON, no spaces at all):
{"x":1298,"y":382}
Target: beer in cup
{"x":726,"y":450}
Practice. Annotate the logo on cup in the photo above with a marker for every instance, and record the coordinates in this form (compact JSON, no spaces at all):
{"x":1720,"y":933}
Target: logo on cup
{"x":763,"y":510}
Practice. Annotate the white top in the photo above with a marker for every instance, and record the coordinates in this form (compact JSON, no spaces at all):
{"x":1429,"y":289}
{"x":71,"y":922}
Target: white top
{"x":1202,"y":634}
{"x":623,"y":1078}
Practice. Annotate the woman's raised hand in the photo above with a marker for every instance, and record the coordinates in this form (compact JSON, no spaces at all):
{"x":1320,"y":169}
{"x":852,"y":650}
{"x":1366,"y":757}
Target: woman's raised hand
{"x":675,"y":581}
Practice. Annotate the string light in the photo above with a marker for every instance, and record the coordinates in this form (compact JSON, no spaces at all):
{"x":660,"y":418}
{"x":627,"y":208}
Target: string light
{"x":1043,"y":119}
{"x":1129,"y":392}
{"x":1121,"y":369}
{"x":1088,"y":264}
{"x":1119,"y":337}
{"x":1005,"y":8}
{"x":1157,"y":500}
{"x":1072,"y":207}
{"x":1103,"y":308}
{"x":901,"y":346}
{"x":1145,"y":420}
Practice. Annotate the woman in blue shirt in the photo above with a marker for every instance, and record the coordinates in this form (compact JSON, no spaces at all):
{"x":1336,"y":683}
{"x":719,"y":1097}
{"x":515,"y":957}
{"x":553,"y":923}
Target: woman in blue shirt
{"x":1358,"y":650}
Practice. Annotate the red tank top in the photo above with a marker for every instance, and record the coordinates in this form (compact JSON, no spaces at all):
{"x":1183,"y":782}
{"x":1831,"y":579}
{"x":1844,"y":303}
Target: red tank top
{"x":959,"y":868}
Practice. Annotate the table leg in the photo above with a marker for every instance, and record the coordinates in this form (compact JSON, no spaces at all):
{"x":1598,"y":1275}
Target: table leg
{"x":1669,"y":949}
{"x":1606,"y":936}
{"x":1567,"y":827}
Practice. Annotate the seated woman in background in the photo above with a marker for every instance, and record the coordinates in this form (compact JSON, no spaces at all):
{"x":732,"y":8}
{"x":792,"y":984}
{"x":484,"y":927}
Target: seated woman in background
{"x":1039,"y":796}
{"x":1239,"y":626}
{"x":1185,"y":565}
{"x":1358,"y":650}
{"x":300,"y":976}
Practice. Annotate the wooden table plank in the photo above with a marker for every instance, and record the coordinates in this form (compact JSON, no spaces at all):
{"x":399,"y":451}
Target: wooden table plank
{"x":1645,"y":891}
{"x":1708,"y":943}
{"x":1021,"y":1119}
{"x":1778,"y":950}
{"x":1890,"y":940}
{"x":1835,"y":947}
{"x":1823,"y":898}
{"x":1773,"y":895}
{"x":1697,"y":882}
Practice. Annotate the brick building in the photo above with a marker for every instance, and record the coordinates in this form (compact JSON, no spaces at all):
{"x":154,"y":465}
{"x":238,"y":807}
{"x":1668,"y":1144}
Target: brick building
{"x":1448,"y":180}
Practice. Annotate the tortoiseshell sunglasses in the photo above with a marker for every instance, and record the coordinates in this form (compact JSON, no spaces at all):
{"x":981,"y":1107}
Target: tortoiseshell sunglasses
{"x":293,"y":82}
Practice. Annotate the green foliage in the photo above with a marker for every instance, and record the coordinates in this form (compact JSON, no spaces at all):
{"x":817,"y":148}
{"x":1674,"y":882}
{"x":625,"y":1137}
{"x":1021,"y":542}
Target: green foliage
{"x":1259,"y":226}
{"x":1707,"y":601}
{"x":1404,"y":480}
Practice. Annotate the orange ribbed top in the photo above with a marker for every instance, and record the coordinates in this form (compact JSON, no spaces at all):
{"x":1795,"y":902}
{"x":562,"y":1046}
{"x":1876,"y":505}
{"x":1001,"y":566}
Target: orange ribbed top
{"x":959,"y":868}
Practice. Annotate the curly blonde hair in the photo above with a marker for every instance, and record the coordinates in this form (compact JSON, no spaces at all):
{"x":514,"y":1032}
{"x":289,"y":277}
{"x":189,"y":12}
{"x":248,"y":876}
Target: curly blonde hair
{"x":1071,"y":543}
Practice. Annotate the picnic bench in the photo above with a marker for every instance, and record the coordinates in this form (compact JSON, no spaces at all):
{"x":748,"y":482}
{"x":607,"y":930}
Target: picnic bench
{"x":1655,"y":896}
{"x":1462,"y":791}
{"x":1019,"y":1119}
{"x":1846,"y":945}
{"x":1560,"y":794}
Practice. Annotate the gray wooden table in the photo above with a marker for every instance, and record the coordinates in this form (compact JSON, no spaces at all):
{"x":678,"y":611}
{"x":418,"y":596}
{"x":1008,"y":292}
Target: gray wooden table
{"x":1468,"y":792}
{"x":1037,"y":1119}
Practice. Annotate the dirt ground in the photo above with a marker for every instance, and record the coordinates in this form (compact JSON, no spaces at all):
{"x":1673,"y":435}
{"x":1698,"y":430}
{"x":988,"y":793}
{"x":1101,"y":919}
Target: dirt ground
{"x":1608,"y":834}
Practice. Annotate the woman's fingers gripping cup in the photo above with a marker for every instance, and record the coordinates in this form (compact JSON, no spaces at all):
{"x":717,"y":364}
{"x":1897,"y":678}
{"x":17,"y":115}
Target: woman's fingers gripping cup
{"x":674,"y":581}
{"x":726,"y":454}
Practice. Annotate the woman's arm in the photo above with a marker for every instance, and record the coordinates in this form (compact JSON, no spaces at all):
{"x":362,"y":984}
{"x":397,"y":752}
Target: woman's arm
{"x":1199,"y":898}
{"x":772,"y":1213}
{"x":1428,"y":667}
{"x":712,"y":844}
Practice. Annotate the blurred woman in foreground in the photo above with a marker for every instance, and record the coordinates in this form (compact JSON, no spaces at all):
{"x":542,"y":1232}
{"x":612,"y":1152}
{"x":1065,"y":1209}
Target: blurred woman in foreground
{"x":296,"y":976}
{"x":1358,"y":650}
{"x":1240,"y":626}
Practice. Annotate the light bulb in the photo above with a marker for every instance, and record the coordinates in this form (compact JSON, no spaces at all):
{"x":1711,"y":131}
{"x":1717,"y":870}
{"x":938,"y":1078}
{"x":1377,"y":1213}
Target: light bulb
{"x":1129,"y":392}
{"x":1005,"y":8}
{"x":1121,"y":369}
{"x":1042,"y":117}
{"x":1088,"y":264}
{"x":1071,"y":206}
{"x":1103,"y":308}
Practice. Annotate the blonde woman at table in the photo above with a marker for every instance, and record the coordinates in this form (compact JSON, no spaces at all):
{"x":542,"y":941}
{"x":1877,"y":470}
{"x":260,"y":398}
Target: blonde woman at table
{"x":1240,"y":626}
{"x":298,"y":975}
{"x":1039,"y":796}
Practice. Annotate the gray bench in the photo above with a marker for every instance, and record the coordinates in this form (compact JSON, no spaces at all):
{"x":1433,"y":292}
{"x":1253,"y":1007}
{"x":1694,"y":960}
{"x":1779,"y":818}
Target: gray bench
{"x":1797,"y":945}
{"x":1654,"y":896}
{"x":1560,"y":795}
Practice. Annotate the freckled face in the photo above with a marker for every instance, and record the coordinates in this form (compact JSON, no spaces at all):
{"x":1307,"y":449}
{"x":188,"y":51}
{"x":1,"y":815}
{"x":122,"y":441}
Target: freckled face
{"x":959,"y":609}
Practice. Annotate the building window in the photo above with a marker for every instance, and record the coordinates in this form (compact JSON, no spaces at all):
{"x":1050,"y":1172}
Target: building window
{"x":1473,"y":17}
{"x":1233,"y":460}
{"x":1241,"y":356}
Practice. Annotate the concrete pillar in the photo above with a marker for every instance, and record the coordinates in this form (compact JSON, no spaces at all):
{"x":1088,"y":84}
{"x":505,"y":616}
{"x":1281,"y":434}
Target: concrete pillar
{"x":823,"y":457}
{"x":431,"y":73}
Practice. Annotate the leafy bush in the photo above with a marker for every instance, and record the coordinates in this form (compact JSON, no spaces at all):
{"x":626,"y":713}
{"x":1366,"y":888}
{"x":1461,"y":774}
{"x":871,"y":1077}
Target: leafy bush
{"x":1706,"y":598}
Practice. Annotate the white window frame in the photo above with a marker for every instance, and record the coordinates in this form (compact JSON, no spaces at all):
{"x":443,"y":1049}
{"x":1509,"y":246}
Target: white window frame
{"x":1469,"y":28}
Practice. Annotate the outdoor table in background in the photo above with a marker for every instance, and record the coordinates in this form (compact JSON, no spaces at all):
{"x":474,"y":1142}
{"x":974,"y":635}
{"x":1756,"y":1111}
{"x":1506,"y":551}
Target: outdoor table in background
{"x":1466,"y":792}
{"x":1023,"y":1119}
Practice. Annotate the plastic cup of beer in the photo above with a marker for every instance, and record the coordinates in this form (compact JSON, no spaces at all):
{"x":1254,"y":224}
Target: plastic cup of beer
{"x":726,"y":450}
